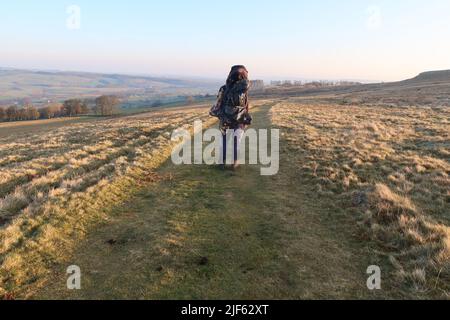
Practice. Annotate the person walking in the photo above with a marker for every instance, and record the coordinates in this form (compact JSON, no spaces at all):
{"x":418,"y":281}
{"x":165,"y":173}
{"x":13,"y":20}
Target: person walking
{"x":232,"y":109}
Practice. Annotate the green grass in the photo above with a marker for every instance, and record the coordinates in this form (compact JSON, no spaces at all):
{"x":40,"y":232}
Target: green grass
{"x":202,"y":233}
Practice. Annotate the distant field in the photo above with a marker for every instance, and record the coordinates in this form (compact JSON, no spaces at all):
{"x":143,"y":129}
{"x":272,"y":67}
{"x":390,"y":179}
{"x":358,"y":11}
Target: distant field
{"x":428,"y":89}
{"x":18,"y":128}
{"x":41,"y":86}
{"x":27,"y":127}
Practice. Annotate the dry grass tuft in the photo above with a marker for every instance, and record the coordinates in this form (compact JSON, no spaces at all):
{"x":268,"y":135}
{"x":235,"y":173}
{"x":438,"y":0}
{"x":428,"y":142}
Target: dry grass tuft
{"x":390,"y":165}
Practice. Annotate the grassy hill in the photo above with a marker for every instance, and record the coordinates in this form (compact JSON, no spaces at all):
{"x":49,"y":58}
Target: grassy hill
{"x":363,"y":181}
{"x":432,"y":76}
{"x":427,"y":89}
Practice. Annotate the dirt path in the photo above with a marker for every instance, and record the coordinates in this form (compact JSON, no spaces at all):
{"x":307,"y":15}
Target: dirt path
{"x":201,"y":233}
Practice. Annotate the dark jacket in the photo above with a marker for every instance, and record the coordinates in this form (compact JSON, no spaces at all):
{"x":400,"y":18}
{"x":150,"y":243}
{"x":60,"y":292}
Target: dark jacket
{"x":232,"y":107}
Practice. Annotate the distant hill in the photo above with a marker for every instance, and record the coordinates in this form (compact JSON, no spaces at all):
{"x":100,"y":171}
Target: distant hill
{"x":41,"y":86}
{"x":430,"y":88}
{"x":432,"y":76}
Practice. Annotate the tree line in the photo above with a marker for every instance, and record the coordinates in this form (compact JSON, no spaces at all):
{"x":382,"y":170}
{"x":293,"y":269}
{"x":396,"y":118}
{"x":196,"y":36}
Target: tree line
{"x":103,"y":106}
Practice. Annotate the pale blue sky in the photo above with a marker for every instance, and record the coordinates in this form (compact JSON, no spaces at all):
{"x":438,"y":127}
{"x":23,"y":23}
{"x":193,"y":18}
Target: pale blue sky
{"x":329,"y":39}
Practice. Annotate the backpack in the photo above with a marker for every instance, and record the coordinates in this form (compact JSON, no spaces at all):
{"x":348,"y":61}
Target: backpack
{"x":232,"y":103}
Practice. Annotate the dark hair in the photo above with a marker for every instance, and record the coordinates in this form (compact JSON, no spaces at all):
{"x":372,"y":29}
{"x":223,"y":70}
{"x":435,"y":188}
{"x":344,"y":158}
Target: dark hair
{"x":237,"y":73}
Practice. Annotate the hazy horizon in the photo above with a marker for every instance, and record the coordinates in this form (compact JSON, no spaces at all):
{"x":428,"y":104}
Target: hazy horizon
{"x":355,"y":40}
{"x":183,"y":76}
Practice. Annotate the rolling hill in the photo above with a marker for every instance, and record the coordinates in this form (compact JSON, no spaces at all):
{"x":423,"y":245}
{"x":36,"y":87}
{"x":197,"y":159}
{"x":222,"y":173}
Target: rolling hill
{"x":430,"y":88}
{"x":363,"y":181}
{"x":432,"y":76}
{"x":41,"y":86}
